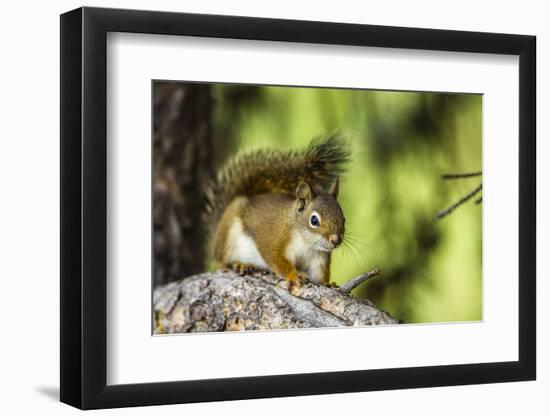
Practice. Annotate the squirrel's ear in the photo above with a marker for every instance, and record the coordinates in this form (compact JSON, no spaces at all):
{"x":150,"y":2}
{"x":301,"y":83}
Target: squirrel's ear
{"x":334,"y":188}
{"x":304,"y":193}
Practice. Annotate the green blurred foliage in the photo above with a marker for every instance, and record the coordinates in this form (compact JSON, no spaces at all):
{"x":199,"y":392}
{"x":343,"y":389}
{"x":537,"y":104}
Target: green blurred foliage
{"x":402,"y":142}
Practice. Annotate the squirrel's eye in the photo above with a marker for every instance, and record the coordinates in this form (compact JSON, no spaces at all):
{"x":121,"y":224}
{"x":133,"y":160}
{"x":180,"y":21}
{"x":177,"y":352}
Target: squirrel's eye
{"x":314,"y":221}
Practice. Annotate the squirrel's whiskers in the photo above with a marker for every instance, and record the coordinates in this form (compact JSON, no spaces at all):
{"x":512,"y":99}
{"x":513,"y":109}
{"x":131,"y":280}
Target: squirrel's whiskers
{"x":347,"y":248}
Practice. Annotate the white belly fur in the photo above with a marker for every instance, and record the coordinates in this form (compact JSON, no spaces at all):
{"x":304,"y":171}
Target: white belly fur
{"x":317,"y":264}
{"x":242,"y":248}
{"x":307,"y":260}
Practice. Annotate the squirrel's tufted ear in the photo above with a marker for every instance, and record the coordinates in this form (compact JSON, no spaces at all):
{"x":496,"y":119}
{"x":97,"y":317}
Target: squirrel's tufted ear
{"x":334,"y":188}
{"x":304,"y":193}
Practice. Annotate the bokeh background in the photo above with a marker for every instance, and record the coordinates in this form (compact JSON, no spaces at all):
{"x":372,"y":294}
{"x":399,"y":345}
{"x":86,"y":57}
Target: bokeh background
{"x":402,"y":143}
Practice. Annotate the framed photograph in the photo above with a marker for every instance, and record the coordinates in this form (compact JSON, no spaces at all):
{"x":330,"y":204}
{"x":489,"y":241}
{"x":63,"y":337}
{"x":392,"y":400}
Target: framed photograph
{"x":257,"y":208}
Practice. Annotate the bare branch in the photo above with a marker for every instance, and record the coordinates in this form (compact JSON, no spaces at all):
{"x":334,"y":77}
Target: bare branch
{"x":464,"y":199}
{"x":456,"y":176}
{"x":347,"y":287}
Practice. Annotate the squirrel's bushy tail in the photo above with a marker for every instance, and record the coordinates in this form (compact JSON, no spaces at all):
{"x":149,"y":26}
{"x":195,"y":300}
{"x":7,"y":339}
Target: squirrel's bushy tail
{"x":280,"y":171}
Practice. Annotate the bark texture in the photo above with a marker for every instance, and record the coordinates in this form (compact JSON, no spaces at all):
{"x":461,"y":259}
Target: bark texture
{"x":227,"y":301}
{"x":182,"y":153}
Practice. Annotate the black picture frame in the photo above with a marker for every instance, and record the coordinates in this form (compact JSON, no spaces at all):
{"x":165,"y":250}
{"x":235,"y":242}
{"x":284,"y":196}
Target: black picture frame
{"x":84,"y":207}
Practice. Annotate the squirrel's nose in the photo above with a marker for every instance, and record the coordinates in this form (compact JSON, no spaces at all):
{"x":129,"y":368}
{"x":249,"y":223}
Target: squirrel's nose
{"x":334,"y":239}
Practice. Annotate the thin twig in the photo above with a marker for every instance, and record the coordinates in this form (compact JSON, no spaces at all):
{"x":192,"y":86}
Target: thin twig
{"x":460,"y":175}
{"x":355,"y":282}
{"x":449,"y":209}
{"x":479,"y":200}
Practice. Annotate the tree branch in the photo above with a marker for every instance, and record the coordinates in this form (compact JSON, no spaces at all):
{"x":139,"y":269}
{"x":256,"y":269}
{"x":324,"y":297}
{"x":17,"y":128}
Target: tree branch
{"x":225,"y":300}
{"x":355,"y":282}
{"x":461,"y":175}
{"x":464,"y":199}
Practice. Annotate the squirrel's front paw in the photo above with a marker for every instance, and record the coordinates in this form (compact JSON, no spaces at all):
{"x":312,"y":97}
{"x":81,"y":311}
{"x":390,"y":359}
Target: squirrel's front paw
{"x":295,"y":281}
{"x":295,"y":286}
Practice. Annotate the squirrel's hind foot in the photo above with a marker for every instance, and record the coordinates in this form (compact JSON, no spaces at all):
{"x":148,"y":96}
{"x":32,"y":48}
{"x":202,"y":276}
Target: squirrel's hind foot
{"x":242,"y":269}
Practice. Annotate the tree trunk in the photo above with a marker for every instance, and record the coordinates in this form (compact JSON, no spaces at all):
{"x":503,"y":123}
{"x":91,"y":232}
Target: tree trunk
{"x":226,"y":301}
{"x":182,"y":153}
